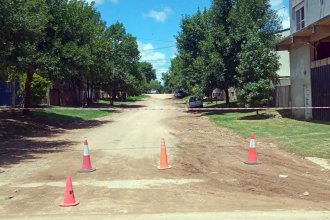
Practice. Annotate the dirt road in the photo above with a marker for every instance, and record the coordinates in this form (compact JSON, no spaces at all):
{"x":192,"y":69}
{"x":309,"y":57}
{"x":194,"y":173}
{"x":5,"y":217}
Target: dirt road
{"x":208,"y":180}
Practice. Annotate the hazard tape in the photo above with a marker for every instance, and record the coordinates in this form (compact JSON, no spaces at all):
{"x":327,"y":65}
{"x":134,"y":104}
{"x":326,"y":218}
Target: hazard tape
{"x":261,"y":108}
{"x":166,"y":109}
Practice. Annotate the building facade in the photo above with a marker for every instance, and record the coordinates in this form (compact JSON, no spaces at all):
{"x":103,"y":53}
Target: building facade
{"x":309,"y":48}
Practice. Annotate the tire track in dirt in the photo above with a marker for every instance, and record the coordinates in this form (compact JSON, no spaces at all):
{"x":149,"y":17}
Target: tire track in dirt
{"x":197,"y":150}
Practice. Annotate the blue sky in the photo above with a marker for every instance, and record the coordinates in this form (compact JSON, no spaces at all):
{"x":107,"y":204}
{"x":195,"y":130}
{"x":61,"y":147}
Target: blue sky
{"x":155,"y":23}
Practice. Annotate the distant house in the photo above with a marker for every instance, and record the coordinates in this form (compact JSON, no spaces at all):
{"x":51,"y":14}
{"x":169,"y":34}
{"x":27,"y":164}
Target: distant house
{"x":63,"y":94}
{"x":220,"y":95}
{"x":309,"y":48}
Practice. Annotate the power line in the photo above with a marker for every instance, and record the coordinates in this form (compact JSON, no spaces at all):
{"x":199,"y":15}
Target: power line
{"x":160,"y":60}
{"x":141,"y":38}
{"x":280,"y":8}
{"x":159,"y":48}
{"x":156,"y":61}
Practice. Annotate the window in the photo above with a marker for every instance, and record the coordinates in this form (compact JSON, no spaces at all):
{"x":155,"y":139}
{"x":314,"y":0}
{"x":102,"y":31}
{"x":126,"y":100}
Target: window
{"x":300,"y":19}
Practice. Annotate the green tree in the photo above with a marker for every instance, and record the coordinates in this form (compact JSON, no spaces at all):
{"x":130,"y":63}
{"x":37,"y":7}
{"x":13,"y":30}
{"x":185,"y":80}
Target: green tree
{"x":210,"y":42}
{"x":175,"y":79}
{"x":251,"y":14}
{"x":72,"y":39}
{"x":156,"y":85}
{"x":122,"y":62}
{"x":147,"y":70}
{"x":166,"y":78}
{"x":39,"y":87}
{"x":256,"y":72}
{"x":221,"y":46}
{"x":22,"y":27}
{"x":193,"y":32}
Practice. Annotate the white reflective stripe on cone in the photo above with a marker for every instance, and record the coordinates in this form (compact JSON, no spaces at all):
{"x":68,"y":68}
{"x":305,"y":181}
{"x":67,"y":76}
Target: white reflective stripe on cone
{"x":86,"y":151}
{"x":252,"y":143}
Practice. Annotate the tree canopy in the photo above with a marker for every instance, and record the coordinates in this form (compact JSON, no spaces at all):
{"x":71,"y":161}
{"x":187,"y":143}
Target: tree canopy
{"x":214,"y":44}
{"x":68,"y":43}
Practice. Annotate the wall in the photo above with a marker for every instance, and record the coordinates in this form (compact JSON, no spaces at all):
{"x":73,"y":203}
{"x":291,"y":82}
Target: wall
{"x":6,"y":94}
{"x":320,"y":79}
{"x":282,"y":96}
{"x":285,"y":63}
{"x":314,"y":11}
{"x":300,"y":81}
{"x":284,"y":58}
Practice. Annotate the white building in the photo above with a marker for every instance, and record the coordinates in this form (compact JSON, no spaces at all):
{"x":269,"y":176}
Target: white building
{"x":309,"y":47}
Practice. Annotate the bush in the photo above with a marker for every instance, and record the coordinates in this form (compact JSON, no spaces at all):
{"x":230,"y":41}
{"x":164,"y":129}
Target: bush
{"x":39,"y":87}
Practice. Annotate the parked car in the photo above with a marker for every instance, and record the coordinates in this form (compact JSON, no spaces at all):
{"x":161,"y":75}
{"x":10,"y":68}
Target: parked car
{"x":179,"y":94}
{"x":194,"y":102}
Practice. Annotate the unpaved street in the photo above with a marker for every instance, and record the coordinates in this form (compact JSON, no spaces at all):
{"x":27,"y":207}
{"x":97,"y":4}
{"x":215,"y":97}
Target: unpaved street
{"x":208,"y":180}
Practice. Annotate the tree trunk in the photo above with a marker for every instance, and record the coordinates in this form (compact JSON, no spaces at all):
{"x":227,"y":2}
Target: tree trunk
{"x":210,"y":98}
{"x":124,"y":96}
{"x":227,"y":96}
{"x":91,"y":95}
{"x":74,"y":94}
{"x":113,"y":97}
{"x":13,"y":96}
{"x":79,"y":94}
{"x":27,"y":97}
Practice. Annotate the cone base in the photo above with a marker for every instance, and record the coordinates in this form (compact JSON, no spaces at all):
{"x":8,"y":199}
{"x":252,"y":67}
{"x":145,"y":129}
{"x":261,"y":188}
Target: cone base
{"x":71,"y":204}
{"x":86,"y":171}
{"x":164,"y":168}
{"x":252,"y":162}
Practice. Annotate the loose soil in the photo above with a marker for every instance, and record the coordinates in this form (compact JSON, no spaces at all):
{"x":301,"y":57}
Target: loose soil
{"x":207,"y":175}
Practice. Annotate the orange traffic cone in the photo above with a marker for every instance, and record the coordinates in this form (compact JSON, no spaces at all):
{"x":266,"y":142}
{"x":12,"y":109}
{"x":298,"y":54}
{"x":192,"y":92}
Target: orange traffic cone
{"x":69,"y":199}
{"x":87,"y":165}
{"x":163,"y":156}
{"x":252,"y":157}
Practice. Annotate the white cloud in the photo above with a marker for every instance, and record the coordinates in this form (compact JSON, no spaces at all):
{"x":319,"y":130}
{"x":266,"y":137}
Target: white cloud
{"x":114,"y":1}
{"x":160,"y":16}
{"x":157,"y":59}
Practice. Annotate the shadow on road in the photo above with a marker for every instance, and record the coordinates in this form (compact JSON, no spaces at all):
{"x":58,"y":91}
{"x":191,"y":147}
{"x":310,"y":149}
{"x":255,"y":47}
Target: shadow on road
{"x":131,"y":106}
{"x":14,"y":152}
{"x":42,"y":124}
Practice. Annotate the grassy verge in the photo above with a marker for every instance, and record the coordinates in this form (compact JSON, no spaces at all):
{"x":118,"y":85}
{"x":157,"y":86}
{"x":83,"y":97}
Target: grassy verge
{"x":306,"y":138}
{"x":182,"y":101}
{"x":219,"y":104}
{"x":39,"y":122}
{"x":136,"y":98}
{"x":69,"y":115}
{"x":130,"y":99}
